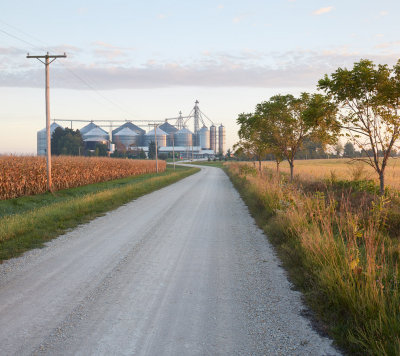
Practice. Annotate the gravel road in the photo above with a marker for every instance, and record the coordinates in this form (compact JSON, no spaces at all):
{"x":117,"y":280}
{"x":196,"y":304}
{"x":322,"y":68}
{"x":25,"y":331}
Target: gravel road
{"x":181,"y":271}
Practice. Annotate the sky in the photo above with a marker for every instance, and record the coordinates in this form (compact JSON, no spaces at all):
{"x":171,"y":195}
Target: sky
{"x":148,"y":60}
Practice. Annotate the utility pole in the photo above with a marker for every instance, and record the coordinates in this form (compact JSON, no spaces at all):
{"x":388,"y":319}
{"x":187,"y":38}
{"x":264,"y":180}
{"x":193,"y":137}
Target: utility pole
{"x":47,"y":63}
{"x":173,"y":149}
{"x":155,"y":143}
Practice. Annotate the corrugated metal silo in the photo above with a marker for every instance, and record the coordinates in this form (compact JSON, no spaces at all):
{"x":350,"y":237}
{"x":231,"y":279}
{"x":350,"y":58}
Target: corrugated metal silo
{"x":127,"y":137}
{"x":170,"y":131}
{"x":213,"y":138}
{"x":221,"y":139}
{"x":204,"y":138}
{"x":95,"y":135}
{"x":87,"y":128}
{"x":132,"y":127}
{"x":42,"y":139}
{"x":183,"y":137}
{"x":161,"y":138}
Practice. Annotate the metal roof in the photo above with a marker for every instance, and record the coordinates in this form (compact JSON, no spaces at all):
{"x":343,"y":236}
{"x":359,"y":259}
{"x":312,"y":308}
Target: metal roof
{"x":126,"y":131}
{"x":168,"y":128}
{"x":184,"y":131}
{"x":131,"y":126}
{"x":159,"y":132}
{"x":53,"y":127}
{"x":87,"y":128}
{"x":97,"y":131}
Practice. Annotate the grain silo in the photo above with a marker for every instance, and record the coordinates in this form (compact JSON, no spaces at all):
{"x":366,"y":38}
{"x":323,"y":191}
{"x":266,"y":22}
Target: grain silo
{"x":161,"y":138}
{"x":126,"y":137}
{"x":183,"y":137}
{"x":221,"y":139}
{"x":170,"y":131}
{"x":132,"y":127}
{"x":213,"y":138}
{"x":204,"y":138}
{"x":87,"y":128}
{"x":42,"y":139}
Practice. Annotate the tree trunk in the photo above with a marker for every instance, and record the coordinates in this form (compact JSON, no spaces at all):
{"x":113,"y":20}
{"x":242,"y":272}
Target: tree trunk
{"x":381,"y":183}
{"x":291,"y":171}
{"x":259,"y":168}
{"x":277,"y":167}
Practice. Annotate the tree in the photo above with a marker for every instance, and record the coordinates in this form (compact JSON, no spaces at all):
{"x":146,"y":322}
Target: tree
{"x":287,"y":121}
{"x":251,"y":139}
{"x":369,"y":97}
{"x":66,"y":142}
{"x":101,"y":150}
{"x":349,"y":150}
{"x":152,"y":150}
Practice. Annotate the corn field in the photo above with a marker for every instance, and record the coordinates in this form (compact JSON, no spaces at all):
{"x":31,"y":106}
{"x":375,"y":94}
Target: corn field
{"x":26,"y":175}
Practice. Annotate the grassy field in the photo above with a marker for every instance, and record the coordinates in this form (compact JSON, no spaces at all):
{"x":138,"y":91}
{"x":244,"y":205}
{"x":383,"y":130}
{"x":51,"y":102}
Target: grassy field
{"x":336,"y":246}
{"x":27,"y":222}
{"x":341,"y":169}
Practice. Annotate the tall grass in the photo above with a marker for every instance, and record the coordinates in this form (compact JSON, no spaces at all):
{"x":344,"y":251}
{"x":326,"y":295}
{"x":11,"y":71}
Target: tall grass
{"x":337,"y":253}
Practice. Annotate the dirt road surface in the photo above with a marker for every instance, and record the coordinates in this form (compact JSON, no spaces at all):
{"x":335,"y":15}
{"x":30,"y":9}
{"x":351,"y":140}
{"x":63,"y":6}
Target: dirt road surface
{"x":181,"y":271}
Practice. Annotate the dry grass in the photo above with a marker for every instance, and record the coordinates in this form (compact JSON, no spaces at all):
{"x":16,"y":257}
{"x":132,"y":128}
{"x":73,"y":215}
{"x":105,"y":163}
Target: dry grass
{"x":338,"y":253}
{"x":344,"y":169}
{"x":26,"y":175}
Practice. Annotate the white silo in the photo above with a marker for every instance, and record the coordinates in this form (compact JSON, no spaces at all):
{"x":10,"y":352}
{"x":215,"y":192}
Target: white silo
{"x":213,"y":138}
{"x":42,"y":139}
{"x":204,"y":138}
{"x":221,"y":139}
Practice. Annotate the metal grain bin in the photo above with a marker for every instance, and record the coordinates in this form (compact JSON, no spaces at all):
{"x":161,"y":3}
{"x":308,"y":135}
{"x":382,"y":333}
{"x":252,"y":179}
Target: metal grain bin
{"x":95,"y":135}
{"x":127,"y":137}
{"x":161,"y":138}
{"x":221,"y":139}
{"x":183,"y":137}
{"x":87,"y":128}
{"x":42,"y":139}
{"x":170,"y":131}
{"x":204,"y":138}
{"x":213,"y":138}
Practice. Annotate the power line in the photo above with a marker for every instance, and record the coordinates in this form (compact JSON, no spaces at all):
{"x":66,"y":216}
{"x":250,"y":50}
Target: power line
{"x":85,"y":82}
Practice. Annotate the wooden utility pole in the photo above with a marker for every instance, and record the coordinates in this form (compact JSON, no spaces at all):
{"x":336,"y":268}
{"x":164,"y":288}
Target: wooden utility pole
{"x":155,"y":143}
{"x":47,"y":63}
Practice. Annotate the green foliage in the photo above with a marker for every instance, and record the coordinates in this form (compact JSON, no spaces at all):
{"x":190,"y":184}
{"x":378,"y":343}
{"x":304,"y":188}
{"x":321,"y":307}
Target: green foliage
{"x":152,"y":150}
{"x":66,"y":142}
{"x":369,"y":96}
{"x":349,"y":150}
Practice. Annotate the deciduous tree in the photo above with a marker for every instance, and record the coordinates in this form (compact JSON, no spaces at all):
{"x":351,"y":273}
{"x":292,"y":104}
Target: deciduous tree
{"x":369,"y":99}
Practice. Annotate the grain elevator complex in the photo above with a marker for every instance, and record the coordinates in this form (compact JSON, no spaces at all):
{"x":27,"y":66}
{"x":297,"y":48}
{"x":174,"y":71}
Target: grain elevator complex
{"x":171,"y":136}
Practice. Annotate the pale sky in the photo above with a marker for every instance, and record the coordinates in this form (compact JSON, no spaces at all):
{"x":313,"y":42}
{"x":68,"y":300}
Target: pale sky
{"x":149,"y":59}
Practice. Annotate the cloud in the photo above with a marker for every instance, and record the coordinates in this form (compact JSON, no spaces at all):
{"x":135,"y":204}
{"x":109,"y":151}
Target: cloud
{"x":299,"y":68}
{"x":323,"y":10}
{"x":384,"y":13}
{"x":388,"y":44}
{"x":162,"y":16}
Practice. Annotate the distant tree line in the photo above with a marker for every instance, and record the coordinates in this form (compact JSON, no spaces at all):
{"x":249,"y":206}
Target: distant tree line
{"x":362,"y":104}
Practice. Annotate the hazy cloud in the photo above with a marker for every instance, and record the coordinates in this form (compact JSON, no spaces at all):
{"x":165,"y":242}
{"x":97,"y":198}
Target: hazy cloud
{"x":300,"y":68}
{"x":323,"y":10}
